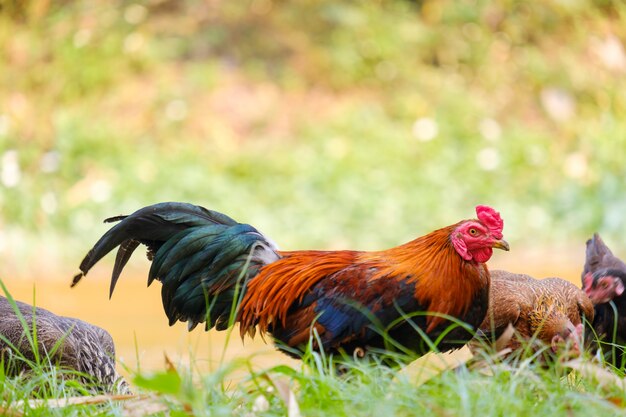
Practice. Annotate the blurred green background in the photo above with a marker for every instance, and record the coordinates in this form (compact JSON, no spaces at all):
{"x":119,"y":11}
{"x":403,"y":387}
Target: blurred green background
{"x":358,"y":124}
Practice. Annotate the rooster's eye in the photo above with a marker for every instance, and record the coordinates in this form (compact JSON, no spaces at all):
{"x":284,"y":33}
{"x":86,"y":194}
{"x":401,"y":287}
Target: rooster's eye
{"x":473,"y":232}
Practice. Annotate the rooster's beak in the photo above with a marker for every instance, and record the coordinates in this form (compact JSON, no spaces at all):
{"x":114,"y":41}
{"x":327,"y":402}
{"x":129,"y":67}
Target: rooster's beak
{"x":501,"y":244}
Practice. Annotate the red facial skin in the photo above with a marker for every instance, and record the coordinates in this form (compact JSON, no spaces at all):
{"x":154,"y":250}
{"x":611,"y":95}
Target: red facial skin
{"x":604,"y":289}
{"x":473,"y":241}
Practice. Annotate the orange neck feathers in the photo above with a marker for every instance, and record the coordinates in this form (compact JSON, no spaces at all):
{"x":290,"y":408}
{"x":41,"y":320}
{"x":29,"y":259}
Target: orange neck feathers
{"x":444,"y":282}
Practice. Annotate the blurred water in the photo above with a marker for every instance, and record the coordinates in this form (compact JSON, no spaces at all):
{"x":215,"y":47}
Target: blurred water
{"x":135,"y":319}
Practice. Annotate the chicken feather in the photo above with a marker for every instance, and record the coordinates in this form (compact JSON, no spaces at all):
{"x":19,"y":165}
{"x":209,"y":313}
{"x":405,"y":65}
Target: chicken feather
{"x":218,"y":271}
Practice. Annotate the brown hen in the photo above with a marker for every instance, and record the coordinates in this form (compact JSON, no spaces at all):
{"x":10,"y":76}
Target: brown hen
{"x":548,"y":311}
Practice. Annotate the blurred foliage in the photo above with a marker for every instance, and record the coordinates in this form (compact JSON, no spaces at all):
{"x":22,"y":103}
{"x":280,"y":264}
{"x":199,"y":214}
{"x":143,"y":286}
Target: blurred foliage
{"x":326,"y":124}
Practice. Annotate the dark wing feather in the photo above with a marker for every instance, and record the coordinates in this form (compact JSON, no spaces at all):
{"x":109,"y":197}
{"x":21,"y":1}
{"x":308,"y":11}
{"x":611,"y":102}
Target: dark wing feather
{"x":349,"y":310}
{"x":121,"y":259}
{"x":379,"y":305}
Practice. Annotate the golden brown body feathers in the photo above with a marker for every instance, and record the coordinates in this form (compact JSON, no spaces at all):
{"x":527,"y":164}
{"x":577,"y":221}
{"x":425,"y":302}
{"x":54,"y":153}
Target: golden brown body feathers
{"x":539,"y":309}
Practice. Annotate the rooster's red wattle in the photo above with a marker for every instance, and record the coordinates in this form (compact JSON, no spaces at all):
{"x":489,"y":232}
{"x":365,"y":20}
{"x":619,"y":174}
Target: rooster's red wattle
{"x":220,"y":272}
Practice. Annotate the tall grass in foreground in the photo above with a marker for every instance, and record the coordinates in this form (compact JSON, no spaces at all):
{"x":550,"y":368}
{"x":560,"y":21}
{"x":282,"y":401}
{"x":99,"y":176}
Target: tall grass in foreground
{"x":329,"y":386}
{"x":366,"y":390}
{"x":517,"y":387}
{"x":514,"y":386}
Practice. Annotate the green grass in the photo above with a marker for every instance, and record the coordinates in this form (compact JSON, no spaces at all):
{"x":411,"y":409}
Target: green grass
{"x":487,"y":385}
{"x":314,"y":122}
{"x":29,"y":377}
{"x":314,"y":390}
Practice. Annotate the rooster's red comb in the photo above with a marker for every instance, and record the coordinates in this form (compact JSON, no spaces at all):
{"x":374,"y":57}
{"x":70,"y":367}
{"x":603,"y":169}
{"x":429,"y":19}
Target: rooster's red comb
{"x":490,"y":218}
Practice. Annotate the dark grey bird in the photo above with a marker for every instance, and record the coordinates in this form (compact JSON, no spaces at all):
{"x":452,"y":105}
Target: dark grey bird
{"x":604,"y":281}
{"x":64,"y":341}
{"x":598,"y":257}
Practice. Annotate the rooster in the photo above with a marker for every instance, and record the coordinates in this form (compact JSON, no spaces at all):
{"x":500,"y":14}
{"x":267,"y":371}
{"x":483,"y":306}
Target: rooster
{"x":220,"y":272}
{"x":549,"y":311}
{"x":604,"y":280}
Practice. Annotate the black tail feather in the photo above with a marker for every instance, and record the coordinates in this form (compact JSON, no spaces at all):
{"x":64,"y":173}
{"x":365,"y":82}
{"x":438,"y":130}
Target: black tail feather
{"x":115,"y":219}
{"x":151,"y":226}
{"x":199,"y":256}
{"x":121,"y":259}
